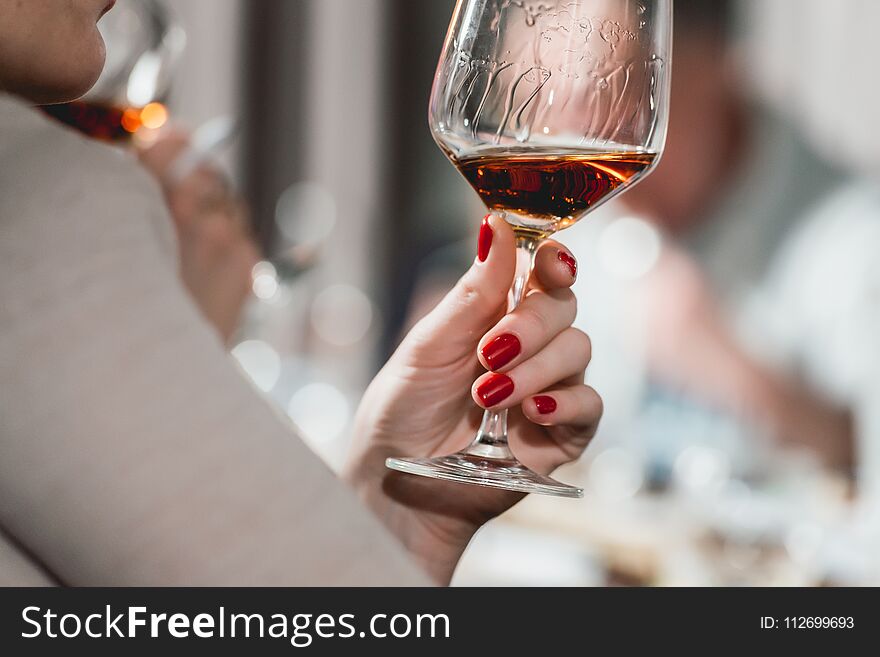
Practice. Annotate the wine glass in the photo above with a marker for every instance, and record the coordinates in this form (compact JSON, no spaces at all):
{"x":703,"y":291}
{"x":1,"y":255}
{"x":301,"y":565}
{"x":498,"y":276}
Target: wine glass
{"x":548,"y":108}
{"x":144,"y":43}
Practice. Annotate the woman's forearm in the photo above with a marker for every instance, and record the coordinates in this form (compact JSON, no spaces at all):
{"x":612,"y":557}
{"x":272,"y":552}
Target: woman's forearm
{"x":792,"y":413}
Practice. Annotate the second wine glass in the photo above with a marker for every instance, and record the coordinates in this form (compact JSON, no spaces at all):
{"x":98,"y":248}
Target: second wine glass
{"x":144,"y":42}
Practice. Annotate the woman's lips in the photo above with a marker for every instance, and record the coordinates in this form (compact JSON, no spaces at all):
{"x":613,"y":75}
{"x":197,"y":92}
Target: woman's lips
{"x":109,"y":6}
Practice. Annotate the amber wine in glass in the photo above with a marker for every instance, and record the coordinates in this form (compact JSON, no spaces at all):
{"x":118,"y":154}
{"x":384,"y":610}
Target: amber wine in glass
{"x":548,"y":109}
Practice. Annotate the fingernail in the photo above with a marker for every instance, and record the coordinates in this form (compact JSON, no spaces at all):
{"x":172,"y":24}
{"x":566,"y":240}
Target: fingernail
{"x":545,"y":404}
{"x":495,"y":390}
{"x":568,"y":260}
{"x":500,"y":351}
{"x":484,"y":243}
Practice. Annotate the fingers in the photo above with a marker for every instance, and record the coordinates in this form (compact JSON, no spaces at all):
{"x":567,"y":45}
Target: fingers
{"x":203,"y":189}
{"x":577,"y":406}
{"x":570,"y":415}
{"x":477,"y":301}
{"x":206,"y":189}
{"x":216,"y":260}
{"x":567,"y":355}
{"x":157,"y":157}
{"x":528,"y":329}
{"x":555,"y":267}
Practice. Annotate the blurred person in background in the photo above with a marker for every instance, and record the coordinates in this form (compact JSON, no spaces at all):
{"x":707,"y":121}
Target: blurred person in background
{"x":692,"y":309}
{"x":133,"y":450}
{"x":826,"y":286}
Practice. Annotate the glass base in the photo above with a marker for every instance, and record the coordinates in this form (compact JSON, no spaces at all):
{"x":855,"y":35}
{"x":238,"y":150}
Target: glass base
{"x":464,"y":468}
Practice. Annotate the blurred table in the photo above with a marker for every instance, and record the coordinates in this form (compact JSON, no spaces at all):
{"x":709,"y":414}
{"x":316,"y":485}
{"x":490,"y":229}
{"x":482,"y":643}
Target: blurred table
{"x":794,"y":530}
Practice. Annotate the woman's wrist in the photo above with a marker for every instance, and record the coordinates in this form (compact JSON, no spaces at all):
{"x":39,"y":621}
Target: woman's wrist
{"x":436,"y":549}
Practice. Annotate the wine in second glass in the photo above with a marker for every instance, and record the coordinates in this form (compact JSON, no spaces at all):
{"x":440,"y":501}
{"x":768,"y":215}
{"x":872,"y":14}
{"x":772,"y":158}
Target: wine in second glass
{"x":548,"y":109}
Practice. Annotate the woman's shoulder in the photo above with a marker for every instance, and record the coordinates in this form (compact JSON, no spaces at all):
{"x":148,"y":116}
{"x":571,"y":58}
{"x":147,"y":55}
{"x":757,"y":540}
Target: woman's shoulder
{"x":37,"y":151}
{"x":51,"y":176}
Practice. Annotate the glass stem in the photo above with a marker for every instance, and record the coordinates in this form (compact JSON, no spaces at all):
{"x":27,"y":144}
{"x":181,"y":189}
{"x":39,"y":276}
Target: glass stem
{"x":491,"y":440}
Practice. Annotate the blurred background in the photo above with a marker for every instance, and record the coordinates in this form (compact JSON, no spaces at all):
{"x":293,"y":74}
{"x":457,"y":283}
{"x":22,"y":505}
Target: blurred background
{"x":733,"y":298}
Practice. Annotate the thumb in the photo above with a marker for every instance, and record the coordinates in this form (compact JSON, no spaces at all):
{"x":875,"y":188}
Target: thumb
{"x":476,"y":303}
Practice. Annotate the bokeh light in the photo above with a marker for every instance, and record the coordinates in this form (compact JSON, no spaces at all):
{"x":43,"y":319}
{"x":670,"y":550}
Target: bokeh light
{"x":616,"y":474}
{"x":342,"y":315}
{"x":264,"y":281}
{"x":305,"y":212}
{"x":702,"y":469}
{"x":154,"y":116}
{"x":321,"y":411}
{"x":629,"y":248}
{"x":260,"y":362}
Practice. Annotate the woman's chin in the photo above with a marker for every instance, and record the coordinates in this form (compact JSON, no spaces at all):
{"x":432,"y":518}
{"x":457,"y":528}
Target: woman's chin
{"x":61,"y":89}
{"x":79,"y":78}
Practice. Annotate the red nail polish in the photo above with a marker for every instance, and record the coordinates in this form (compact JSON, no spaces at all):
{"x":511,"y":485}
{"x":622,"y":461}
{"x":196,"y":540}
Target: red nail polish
{"x":568,"y":260}
{"x":545,"y":404}
{"x":495,"y":390}
{"x":484,"y":243}
{"x":500,"y":351}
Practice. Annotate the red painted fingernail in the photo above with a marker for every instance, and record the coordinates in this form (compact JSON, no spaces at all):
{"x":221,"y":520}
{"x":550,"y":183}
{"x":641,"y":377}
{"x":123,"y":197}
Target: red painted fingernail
{"x":545,"y":404}
{"x":568,"y":260}
{"x":500,"y":351}
{"x":484,"y":244}
{"x":495,"y":390}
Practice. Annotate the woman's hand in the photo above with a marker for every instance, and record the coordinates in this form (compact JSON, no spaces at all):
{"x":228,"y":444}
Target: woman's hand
{"x":428,"y":399}
{"x":217,"y":250}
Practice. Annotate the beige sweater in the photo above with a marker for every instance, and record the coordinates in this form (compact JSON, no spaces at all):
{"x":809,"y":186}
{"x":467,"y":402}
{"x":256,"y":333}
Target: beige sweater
{"x":132,"y":451}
